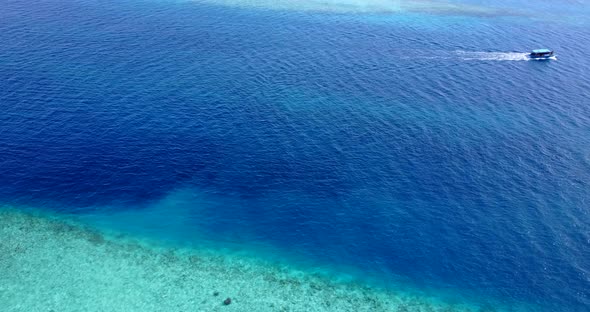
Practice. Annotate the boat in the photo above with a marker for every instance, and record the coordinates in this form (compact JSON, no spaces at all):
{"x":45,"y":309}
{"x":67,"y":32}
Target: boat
{"x":541,"y":54}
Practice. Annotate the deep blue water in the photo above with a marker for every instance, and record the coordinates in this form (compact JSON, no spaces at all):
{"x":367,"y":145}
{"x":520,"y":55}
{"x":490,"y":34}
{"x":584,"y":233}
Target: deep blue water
{"x":408,"y":146}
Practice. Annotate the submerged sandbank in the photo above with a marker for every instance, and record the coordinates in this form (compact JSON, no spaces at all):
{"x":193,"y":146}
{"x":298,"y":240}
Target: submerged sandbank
{"x":47,"y":264}
{"x":371,"y":6}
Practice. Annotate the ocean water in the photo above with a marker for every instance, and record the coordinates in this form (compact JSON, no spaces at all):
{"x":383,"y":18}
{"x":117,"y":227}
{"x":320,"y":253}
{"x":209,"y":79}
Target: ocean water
{"x":415,"y":146}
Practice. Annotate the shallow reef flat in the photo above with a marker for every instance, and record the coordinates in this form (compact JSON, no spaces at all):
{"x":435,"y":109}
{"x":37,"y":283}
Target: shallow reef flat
{"x":371,"y":6}
{"x":48,"y":264}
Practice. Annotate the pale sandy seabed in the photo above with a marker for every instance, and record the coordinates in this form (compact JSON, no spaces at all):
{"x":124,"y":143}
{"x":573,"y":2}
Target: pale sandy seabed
{"x":370,"y":6}
{"x":47,"y":264}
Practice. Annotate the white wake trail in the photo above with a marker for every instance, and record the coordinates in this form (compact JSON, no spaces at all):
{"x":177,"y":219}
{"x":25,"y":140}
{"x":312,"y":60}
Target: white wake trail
{"x":493,"y":56}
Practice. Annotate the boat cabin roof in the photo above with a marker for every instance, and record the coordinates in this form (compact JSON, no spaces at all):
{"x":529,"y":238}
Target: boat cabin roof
{"x":542,"y":51}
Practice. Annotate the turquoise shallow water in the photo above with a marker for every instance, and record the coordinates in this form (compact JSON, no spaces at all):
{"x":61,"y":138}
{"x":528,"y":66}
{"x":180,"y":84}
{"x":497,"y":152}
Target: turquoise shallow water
{"x":413,"y":151}
{"x":52,"y":264}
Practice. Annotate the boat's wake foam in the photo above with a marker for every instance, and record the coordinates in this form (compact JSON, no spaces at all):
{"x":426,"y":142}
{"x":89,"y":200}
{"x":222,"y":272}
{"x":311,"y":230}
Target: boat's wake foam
{"x":493,"y":56}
